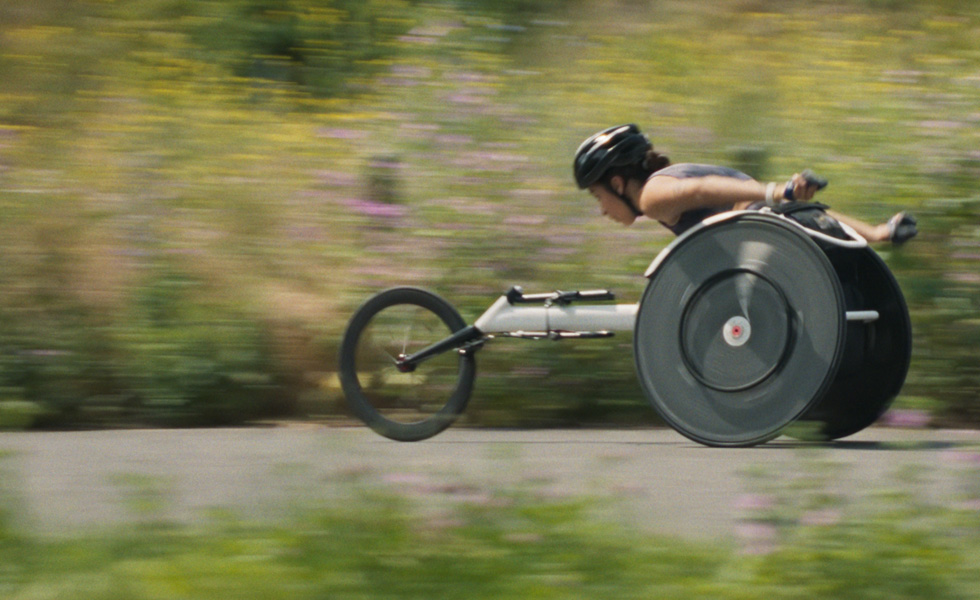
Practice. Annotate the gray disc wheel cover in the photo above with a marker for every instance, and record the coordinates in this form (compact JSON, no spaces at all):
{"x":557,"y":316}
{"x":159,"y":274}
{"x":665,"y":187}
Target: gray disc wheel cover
{"x":749,"y":276}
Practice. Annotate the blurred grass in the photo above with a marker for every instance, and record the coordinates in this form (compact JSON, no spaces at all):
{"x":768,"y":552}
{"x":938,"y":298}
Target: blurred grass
{"x":196,"y":195}
{"x":799,"y":536}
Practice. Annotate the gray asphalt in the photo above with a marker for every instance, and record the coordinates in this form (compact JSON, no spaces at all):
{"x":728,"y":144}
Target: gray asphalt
{"x":64,"y":482}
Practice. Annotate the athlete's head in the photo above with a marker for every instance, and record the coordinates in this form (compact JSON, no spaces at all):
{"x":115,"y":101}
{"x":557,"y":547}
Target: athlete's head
{"x":609,"y":161}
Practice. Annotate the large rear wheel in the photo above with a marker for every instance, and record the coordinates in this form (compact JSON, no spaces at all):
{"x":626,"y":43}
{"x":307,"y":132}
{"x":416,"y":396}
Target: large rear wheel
{"x":740,"y":330}
{"x":405,"y":404}
{"x":877,"y":353}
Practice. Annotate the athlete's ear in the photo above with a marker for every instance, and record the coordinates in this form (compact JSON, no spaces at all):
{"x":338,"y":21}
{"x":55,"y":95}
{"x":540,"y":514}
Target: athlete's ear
{"x":618,"y":184}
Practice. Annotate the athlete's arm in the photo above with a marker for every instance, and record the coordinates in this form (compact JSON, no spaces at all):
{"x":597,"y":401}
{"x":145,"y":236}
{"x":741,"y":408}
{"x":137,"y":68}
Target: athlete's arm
{"x":666,"y":198}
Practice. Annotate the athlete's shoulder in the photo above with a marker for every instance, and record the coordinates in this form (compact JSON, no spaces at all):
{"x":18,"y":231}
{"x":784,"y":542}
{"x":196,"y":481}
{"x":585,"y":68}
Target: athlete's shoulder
{"x":687,"y":170}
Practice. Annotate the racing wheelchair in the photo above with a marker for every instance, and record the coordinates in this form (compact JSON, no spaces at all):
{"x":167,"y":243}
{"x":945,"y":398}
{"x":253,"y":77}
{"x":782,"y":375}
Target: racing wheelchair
{"x":751,"y":321}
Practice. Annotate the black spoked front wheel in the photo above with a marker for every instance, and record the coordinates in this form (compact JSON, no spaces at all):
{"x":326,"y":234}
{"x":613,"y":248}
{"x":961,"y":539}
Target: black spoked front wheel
{"x":405,"y":405}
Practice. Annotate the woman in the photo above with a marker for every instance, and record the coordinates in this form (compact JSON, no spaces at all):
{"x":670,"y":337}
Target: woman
{"x":620,"y":168}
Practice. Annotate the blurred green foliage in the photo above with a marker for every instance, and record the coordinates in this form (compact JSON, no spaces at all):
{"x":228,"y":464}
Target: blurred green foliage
{"x":327,"y":48}
{"x":190,"y":361}
{"x":196,"y":195}
{"x":389,"y":537}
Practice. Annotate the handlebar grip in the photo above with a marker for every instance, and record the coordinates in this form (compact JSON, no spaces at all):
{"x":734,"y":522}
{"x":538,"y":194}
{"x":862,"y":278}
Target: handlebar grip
{"x":814,"y":179}
{"x":596,"y":295}
{"x":516,"y":295}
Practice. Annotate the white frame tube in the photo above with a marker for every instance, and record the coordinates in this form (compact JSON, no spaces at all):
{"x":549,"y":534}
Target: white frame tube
{"x":504,"y":317}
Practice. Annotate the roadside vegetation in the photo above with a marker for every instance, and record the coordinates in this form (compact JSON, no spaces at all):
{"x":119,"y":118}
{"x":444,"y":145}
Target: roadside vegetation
{"x":194,"y":196}
{"x":373,"y":536}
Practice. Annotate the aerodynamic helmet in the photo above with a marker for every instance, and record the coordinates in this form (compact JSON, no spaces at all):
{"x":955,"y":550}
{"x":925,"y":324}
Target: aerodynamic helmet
{"x":614,"y":147}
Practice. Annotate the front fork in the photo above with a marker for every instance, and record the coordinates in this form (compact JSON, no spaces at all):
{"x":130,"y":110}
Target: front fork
{"x":466,"y":340}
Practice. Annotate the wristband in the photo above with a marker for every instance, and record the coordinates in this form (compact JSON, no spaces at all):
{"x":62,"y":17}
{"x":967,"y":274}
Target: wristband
{"x":788,"y":191}
{"x":770,"y":189}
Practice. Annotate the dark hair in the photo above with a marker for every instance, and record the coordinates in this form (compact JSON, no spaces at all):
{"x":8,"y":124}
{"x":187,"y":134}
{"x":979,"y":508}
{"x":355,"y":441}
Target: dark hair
{"x":653,"y":161}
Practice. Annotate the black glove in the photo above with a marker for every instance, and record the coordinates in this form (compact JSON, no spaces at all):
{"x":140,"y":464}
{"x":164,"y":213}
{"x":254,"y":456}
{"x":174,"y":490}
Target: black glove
{"x":902,"y":228}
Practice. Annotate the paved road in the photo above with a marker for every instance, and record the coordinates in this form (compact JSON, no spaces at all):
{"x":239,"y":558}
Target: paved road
{"x":67,"y":481}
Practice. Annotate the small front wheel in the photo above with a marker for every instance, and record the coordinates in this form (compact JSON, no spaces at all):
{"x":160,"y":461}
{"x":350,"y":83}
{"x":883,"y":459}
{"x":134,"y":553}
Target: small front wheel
{"x":413,"y":405}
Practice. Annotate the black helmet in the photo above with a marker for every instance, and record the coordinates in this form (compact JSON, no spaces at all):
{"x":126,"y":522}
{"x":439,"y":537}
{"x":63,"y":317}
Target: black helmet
{"x":614,"y":147}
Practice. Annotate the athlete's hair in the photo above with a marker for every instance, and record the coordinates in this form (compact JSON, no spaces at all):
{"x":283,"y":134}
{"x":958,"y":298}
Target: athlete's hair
{"x":651,"y":163}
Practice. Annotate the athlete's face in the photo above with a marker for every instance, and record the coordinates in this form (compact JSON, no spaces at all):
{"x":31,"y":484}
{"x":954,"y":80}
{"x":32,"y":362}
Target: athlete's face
{"x":611,"y":205}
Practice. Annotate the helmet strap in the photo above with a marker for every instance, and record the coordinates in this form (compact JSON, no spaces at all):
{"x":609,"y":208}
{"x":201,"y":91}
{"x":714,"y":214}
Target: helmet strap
{"x":625,"y":199}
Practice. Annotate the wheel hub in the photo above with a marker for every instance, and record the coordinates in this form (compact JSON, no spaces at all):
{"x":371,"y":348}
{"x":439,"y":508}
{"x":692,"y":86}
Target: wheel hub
{"x":403,"y":366}
{"x":735,"y":331}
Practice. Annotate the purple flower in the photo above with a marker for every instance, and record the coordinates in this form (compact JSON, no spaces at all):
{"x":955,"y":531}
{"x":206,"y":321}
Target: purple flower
{"x":420,"y":126}
{"x":913,"y":419}
{"x":821,"y":518}
{"x":963,"y":277}
{"x":901,"y":76}
{"x":442,"y":522}
{"x":432,"y":31}
{"x":342,"y":134}
{"x":970,"y":505}
{"x":467,"y":76}
{"x":454,"y":140}
{"x":411,"y":71}
{"x":941,"y":124}
{"x":306,"y":233}
{"x":418,"y":39}
{"x":45,"y":353}
{"x":370,"y":208}
{"x":405,"y":479}
{"x":464,"y":98}
{"x":962,"y":456}
{"x":336,"y":178}
{"x":532,"y":220}
{"x":757,"y":538}
{"x":754,"y":502}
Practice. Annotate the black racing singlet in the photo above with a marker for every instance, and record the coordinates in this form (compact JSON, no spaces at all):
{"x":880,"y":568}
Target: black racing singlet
{"x":688,"y":170}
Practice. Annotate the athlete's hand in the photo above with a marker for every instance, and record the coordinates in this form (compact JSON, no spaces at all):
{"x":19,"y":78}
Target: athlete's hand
{"x":803,"y":186}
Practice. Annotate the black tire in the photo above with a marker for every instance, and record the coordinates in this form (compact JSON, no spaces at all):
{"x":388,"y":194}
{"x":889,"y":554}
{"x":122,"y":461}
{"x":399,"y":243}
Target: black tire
{"x":404,"y":406}
{"x":877,"y":354}
{"x":740,"y":330}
